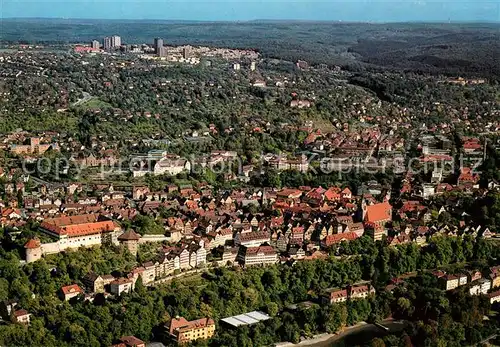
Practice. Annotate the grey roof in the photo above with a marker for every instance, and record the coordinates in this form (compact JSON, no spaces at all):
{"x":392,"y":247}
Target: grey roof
{"x":246,"y":318}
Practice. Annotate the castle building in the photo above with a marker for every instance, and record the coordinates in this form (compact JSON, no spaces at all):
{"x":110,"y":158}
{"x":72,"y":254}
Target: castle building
{"x":131,"y":240}
{"x":33,"y":250}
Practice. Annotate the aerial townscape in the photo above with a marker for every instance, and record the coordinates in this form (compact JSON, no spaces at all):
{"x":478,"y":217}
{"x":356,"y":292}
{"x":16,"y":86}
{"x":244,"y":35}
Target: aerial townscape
{"x":249,"y":184}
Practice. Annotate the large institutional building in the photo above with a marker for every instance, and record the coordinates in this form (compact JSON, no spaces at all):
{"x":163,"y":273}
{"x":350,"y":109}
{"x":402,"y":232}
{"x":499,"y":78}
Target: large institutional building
{"x":184,"y":331}
{"x":76,"y":231}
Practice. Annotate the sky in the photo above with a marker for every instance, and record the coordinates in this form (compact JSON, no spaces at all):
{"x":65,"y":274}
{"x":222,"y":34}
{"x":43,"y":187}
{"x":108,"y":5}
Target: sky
{"x":242,"y":10}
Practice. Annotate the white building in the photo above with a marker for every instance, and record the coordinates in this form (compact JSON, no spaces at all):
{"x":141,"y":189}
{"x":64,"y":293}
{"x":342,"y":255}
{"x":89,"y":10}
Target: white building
{"x":253,"y":239}
{"x":121,"y":285}
{"x":262,"y":255}
{"x":78,"y":231}
{"x":485,"y":285}
{"x":361,"y":291}
{"x":171,"y":166}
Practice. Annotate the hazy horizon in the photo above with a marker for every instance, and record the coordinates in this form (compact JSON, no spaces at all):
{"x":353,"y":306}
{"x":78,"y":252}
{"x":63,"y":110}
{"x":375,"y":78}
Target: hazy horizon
{"x":236,"y":10}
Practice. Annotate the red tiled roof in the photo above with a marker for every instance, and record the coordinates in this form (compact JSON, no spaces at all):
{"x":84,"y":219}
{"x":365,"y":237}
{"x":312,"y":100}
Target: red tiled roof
{"x":289,"y":192}
{"x":78,"y":225}
{"x":262,"y":249}
{"x":21,"y":312}
{"x":131,"y":341}
{"x":73,"y":288}
{"x":378,"y":212}
{"x":341,"y":293}
{"x":337,"y":238}
{"x":181,"y":324}
{"x":32,"y":244}
{"x":333,"y":193}
{"x":494,"y":294}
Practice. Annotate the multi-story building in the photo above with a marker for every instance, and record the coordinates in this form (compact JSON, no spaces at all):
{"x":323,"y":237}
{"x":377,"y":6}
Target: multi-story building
{"x":107,"y":43}
{"x":149,"y":273}
{"x":160,"y":50}
{"x":171,"y":166}
{"x":184,"y":259}
{"x":77,"y":231}
{"x":130,"y":341}
{"x":262,"y":255}
{"x":131,"y":241}
{"x":168,"y":263}
{"x":96,"y":283}
{"x":475,"y":289}
{"x":360,"y":291}
{"x":21,"y":316}
{"x":116,"y":41}
{"x":219,"y":238}
{"x":186,"y":52}
{"x":333,"y":296}
{"x":71,"y":291}
{"x":449,"y":282}
{"x":253,"y":239}
{"x":112,"y":42}
{"x":230,"y":255}
{"x":495,"y":279}
{"x":95,"y":45}
{"x":474,"y":275}
{"x":462,"y":279}
{"x":375,"y":218}
{"x":121,"y":285}
{"x":299,"y":164}
{"x":197,"y":255}
{"x":34,"y":147}
{"x":484,"y":284}
{"x":158,"y":43}
{"x":184,"y":331}
{"x":494,"y":297}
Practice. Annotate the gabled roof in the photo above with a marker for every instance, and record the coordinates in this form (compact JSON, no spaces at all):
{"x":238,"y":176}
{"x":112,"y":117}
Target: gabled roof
{"x":71,"y":289}
{"x":20,"y":313}
{"x":378,"y":212}
{"x":131,"y":341}
{"x":337,"y":238}
{"x":180,"y":324}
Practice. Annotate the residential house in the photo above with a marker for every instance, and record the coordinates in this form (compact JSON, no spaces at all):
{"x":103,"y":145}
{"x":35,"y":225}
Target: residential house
{"x":121,"y":285}
{"x":95,"y":283}
{"x":334,"y":239}
{"x":230,"y":255}
{"x":333,"y":296}
{"x":473,"y":275}
{"x":494,"y":297}
{"x":485,"y":285}
{"x":360,"y":291}
{"x":449,"y":282}
{"x":21,"y":316}
{"x":71,"y":291}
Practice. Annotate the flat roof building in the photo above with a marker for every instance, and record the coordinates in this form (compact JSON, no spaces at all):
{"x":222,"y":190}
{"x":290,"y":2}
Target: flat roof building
{"x":246,"y":318}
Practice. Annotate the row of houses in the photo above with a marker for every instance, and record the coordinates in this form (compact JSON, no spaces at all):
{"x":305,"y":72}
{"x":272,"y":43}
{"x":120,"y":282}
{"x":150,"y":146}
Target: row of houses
{"x":352,"y":292}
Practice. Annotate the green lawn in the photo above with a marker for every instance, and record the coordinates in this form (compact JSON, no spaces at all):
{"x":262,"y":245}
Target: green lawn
{"x":94,"y":103}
